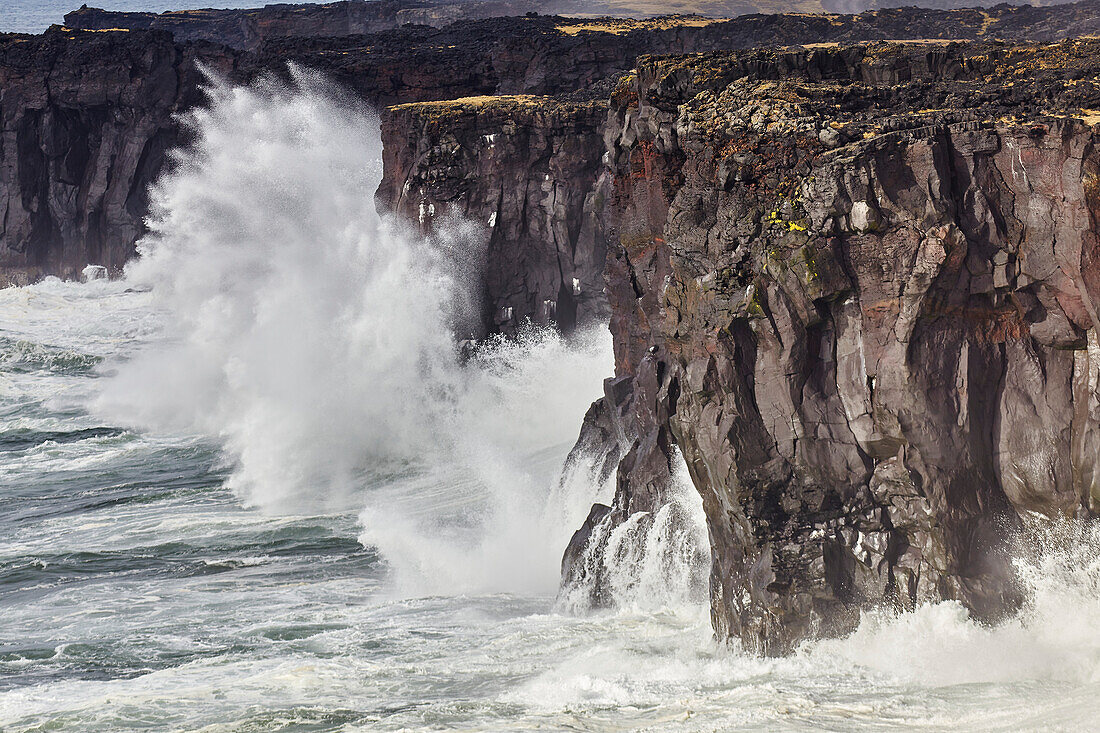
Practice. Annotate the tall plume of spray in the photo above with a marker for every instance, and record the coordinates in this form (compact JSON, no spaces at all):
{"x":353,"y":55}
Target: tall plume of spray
{"x":314,"y":339}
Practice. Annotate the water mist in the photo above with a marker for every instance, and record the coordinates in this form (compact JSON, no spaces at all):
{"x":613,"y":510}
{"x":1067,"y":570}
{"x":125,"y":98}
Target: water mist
{"x":314,"y":339}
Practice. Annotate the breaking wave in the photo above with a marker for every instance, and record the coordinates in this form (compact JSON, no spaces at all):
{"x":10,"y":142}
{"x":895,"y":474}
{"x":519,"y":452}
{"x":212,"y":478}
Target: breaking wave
{"x":316,"y":340}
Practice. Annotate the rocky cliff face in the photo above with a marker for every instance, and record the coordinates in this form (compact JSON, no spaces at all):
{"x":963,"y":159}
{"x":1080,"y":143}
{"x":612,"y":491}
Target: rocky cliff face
{"x":857,"y":288}
{"x":83,"y":135}
{"x":84,"y":128}
{"x":525,"y":170}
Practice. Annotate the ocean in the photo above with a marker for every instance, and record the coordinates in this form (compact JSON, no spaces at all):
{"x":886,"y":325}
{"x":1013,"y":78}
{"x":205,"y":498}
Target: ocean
{"x":251,"y":487}
{"x":35,"y":16}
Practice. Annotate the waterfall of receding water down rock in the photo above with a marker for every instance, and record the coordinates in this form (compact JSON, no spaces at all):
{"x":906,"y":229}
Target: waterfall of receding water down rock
{"x":317,"y":341}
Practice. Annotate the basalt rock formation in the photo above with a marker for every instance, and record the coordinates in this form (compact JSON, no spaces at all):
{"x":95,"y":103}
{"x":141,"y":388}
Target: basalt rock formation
{"x":88,"y":117}
{"x":857,"y":288}
{"x":525,"y":170}
{"x":84,"y":129}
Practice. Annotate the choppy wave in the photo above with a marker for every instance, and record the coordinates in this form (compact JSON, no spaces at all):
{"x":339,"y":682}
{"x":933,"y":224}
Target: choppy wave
{"x":22,"y":355}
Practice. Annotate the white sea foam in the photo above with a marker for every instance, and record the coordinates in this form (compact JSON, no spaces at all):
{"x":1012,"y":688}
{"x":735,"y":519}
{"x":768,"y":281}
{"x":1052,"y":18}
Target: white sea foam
{"x":311,"y":335}
{"x":649,"y":561}
{"x":1053,"y":636}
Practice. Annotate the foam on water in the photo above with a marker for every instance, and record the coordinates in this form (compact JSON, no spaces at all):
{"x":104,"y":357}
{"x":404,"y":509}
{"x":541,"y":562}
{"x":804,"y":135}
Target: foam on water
{"x":1053,"y":637}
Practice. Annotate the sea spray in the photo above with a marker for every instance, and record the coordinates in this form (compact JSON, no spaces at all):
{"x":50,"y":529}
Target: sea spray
{"x":310,"y":335}
{"x":316,"y":340}
{"x":1052,"y":637}
{"x":649,"y":560}
{"x":482,"y":517}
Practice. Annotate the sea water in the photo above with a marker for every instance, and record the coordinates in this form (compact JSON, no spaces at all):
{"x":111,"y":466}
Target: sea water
{"x":253,"y":487}
{"x":35,"y":16}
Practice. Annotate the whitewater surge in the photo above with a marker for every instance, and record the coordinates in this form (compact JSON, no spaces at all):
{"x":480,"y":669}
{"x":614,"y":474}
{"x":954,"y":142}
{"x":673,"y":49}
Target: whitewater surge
{"x":311,"y":335}
{"x":254,"y":487}
{"x":1053,"y":638}
{"x":317,"y":341}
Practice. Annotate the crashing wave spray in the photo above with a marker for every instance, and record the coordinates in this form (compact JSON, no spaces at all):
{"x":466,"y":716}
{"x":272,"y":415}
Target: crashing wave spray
{"x":310,"y":333}
{"x":1052,"y":637}
{"x":314,"y":339}
{"x":657,"y":559}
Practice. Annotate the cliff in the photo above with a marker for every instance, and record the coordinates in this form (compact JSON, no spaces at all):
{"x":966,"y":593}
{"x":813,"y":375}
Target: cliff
{"x":82,"y":135}
{"x":249,"y":28}
{"x":84,"y":128}
{"x":757,"y":24}
{"x":523,"y":168}
{"x":857,"y":289}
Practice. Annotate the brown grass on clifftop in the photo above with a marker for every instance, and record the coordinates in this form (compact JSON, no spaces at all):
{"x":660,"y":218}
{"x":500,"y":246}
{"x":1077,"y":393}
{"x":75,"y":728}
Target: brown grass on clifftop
{"x":617,"y":26}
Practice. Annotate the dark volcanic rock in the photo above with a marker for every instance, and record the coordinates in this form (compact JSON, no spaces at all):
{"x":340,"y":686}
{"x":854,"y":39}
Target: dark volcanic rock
{"x":857,"y":288}
{"x":248,"y":28}
{"x":87,"y":116}
{"x":84,"y":128}
{"x":525,"y":168}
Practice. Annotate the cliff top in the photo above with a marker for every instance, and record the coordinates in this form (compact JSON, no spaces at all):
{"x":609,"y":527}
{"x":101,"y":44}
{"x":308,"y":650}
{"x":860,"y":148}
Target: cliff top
{"x":770,"y":116}
{"x":618,"y":26}
{"x":513,"y":107}
{"x":911,"y":83}
{"x":384,"y":23}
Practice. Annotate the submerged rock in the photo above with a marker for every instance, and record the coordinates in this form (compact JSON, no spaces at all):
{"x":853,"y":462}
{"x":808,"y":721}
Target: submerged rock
{"x":93,"y":272}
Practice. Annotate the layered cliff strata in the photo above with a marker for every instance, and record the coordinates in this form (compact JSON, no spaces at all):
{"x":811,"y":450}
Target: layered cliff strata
{"x":857,"y":288}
